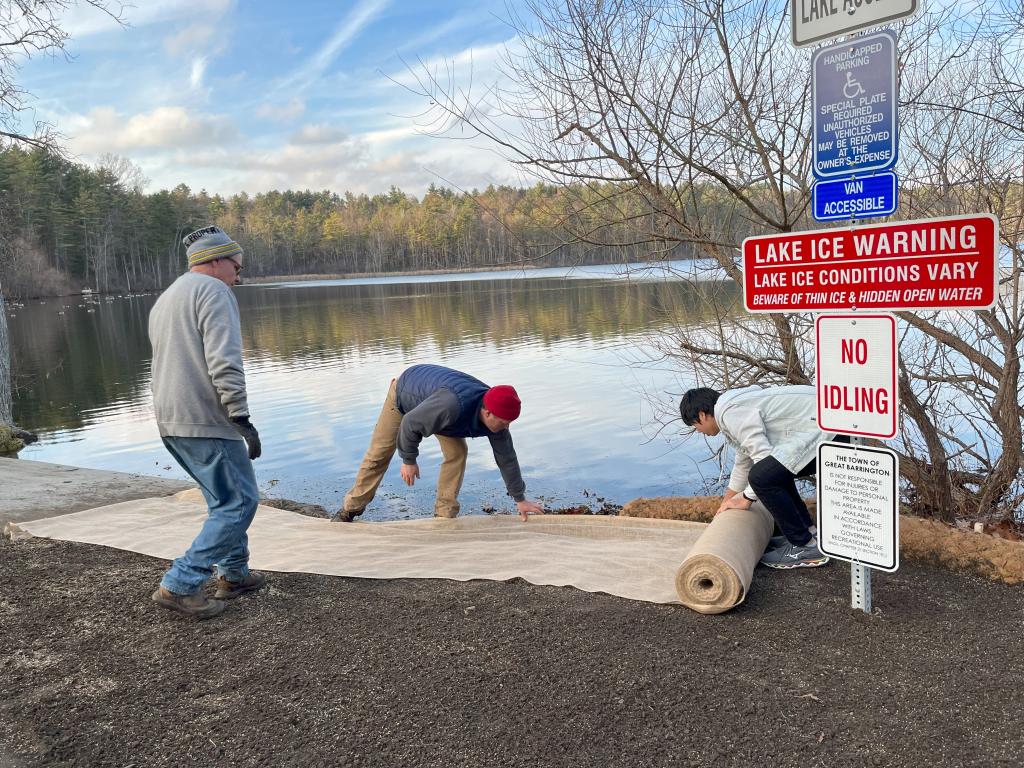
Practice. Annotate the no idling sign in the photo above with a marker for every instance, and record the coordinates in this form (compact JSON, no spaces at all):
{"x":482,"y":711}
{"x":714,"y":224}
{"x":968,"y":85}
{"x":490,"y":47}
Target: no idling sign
{"x":855,"y":374}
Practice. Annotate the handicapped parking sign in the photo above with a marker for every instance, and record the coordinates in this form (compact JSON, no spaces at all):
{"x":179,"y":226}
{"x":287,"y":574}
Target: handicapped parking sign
{"x":854,"y":100}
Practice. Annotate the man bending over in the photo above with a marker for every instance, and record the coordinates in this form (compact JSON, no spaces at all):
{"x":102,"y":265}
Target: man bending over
{"x":451,"y":405}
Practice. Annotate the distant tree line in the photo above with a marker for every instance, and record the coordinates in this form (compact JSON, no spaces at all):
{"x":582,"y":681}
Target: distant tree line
{"x":70,"y":226}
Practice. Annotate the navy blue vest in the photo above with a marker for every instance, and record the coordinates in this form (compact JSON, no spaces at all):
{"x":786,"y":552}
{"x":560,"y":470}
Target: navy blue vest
{"x":419,"y":382}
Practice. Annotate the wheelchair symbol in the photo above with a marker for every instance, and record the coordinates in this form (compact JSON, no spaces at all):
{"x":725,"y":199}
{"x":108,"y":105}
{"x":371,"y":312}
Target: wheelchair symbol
{"x":852,"y":89}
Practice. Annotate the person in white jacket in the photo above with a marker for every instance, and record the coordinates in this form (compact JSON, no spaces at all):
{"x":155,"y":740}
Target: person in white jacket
{"x":774,"y":434}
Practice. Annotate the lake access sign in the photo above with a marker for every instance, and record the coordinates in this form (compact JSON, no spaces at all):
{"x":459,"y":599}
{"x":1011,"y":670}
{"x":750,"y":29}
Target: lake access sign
{"x":947,"y":263}
{"x":854,"y":100}
{"x":815,"y":21}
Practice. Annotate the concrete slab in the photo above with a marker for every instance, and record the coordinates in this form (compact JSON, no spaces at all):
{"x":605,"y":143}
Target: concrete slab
{"x":32,"y":490}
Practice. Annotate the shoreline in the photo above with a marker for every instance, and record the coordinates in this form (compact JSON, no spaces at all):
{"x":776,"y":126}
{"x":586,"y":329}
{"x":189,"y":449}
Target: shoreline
{"x":263,"y":279}
{"x":33,"y":490}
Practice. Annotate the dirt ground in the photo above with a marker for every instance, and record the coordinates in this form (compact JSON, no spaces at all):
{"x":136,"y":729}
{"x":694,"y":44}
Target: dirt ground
{"x":328,"y":671}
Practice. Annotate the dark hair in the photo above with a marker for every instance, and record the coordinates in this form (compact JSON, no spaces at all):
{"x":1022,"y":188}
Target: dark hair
{"x":695,"y":402}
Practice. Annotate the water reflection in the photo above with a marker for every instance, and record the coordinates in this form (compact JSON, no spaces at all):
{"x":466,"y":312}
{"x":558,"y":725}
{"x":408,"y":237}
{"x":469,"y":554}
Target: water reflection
{"x":319,"y":357}
{"x":320,"y":323}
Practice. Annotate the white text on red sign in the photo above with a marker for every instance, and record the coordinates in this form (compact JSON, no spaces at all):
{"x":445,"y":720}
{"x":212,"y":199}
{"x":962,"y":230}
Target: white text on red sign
{"x":945,"y":263}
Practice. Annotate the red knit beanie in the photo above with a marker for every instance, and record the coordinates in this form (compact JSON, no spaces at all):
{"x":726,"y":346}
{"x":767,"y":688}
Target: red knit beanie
{"x":503,"y":402}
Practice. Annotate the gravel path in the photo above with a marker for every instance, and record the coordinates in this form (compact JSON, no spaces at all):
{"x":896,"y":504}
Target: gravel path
{"x":326,"y":671}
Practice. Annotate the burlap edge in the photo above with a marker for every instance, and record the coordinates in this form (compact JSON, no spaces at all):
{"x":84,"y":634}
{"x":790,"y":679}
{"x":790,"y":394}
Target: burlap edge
{"x":920,"y":539}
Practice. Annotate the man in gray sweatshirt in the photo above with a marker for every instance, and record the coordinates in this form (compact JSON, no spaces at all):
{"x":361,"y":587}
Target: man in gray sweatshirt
{"x":203,"y":415}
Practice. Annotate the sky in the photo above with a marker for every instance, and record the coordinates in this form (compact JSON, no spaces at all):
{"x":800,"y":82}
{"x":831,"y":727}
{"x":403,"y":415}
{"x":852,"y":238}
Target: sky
{"x":254,"y":95}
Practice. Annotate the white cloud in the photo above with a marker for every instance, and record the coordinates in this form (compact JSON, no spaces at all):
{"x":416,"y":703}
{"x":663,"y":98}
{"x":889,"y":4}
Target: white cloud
{"x":320,"y":133}
{"x":439,"y":32}
{"x":468,"y":65}
{"x":346,"y":32}
{"x":198,"y":69}
{"x":194,"y":38}
{"x":387,"y":135}
{"x":349,"y":163}
{"x":282,"y":112}
{"x":106,"y":130}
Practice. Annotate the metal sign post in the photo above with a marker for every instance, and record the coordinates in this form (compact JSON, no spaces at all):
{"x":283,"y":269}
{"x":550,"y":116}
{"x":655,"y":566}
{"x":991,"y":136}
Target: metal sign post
{"x":860,"y":574}
{"x":860,"y":587}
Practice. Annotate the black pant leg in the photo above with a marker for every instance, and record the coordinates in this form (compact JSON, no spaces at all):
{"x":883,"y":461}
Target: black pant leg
{"x":807,"y":471}
{"x":798,"y":500}
{"x":775,"y":486}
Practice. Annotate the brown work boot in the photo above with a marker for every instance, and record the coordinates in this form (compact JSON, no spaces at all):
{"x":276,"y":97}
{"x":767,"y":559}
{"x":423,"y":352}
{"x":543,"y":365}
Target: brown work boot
{"x":197,"y":605}
{"x":346,"y":515}
{"x":229,"y":590}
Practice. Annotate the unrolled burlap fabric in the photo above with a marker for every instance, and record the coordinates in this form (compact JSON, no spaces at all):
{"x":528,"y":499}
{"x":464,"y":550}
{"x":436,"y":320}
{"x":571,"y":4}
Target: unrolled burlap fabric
{"x":633,"y":558}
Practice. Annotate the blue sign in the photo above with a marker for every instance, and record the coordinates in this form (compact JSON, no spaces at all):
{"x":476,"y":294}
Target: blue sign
{"x":854,"y":100}
{"x":856,"y":198}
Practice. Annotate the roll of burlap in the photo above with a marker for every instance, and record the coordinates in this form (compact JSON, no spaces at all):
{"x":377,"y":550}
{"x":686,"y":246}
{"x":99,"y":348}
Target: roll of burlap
{"x":716,"y":574}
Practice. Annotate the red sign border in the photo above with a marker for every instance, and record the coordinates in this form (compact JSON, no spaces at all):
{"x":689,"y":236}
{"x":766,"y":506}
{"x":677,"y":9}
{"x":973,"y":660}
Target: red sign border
{"x":848,"y":307}
{"x":817,"y":372}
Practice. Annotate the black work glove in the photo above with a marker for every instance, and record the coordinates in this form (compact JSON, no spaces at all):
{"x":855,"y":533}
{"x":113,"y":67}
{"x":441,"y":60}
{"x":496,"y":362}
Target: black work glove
{"x":249,"y":433}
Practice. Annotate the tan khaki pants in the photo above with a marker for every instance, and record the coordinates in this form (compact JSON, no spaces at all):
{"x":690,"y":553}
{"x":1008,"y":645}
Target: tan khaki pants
{"x":382,"y":448}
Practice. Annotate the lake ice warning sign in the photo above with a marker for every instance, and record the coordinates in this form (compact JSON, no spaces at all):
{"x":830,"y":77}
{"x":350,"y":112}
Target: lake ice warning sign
{"x":947,"y":263}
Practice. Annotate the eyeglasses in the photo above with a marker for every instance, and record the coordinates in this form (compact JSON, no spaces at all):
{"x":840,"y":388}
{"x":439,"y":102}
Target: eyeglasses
{"x":236,"y":265}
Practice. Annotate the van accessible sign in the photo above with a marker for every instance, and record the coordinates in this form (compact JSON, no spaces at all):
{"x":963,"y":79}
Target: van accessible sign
{"x":817,"y":20}
{"x":947,"y":263}
{"x":856,"y":198}
{"x":854,"y":100}
{"x":858,"y":504}
{"x":855,"y":362}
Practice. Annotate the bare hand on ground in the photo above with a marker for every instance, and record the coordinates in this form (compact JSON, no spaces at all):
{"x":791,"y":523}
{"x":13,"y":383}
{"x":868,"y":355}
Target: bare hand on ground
{"x":410,"y":473}
{"x":528,"y":508}
{"x":735,"y":502}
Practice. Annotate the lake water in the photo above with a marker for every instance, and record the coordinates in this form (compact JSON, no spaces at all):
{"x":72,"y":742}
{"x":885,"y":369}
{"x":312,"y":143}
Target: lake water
{"x":319,"y":357}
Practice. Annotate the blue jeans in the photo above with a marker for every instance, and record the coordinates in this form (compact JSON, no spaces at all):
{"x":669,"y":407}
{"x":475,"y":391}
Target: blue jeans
{"x":225,"y":475}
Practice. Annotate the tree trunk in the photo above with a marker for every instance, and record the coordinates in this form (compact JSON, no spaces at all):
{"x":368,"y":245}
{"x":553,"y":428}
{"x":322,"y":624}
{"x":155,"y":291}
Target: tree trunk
{"x":6,"y":415}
